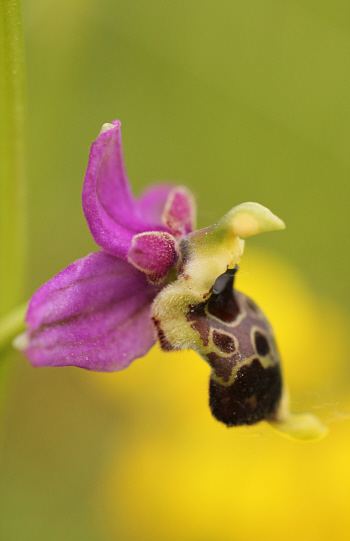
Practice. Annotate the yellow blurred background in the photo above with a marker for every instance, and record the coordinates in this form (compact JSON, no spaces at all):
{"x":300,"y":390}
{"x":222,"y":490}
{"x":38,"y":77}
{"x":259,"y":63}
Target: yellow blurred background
{"x":239,"y":101}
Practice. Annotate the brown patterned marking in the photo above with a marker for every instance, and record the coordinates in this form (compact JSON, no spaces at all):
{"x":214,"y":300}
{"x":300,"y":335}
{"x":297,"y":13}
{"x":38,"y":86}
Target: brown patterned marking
{"x":253,"y":396}
{"x":224,"y":342}
{"x":261,"y":344}
{"x":199,"y":321}
{"x":222,"y":366}
{"x":164,"y":343}
{"x":241,"y":333}
{"x":255,"y":392}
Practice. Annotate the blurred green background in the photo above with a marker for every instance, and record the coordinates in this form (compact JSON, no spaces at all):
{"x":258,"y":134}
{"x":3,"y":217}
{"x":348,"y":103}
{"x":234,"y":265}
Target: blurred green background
{"x":240,"y":101}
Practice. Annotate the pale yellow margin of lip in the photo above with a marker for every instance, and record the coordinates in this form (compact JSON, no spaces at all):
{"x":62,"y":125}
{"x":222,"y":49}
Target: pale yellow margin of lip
{"x":298,"y":426}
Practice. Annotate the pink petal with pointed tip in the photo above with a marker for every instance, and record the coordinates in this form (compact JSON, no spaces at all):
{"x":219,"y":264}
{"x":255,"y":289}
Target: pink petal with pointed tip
{"x":110,"y":209}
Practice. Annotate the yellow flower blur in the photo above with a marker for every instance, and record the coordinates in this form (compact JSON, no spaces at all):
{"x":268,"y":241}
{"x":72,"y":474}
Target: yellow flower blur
{"x":177,"y":474}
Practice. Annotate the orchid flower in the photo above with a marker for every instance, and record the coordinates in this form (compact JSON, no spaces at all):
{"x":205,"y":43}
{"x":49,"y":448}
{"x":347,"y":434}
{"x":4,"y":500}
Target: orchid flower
{"x":158,"y":279}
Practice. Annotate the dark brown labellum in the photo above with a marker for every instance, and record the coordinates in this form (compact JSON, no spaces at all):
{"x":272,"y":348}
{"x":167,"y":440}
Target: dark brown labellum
{"x":251,"y":398}
{"x":246,"y":382}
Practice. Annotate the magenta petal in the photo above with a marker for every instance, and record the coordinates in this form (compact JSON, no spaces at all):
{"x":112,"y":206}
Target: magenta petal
{"x":107,"y":199}
{"x":179,"y":213}
{"x":110,"y":210}
{"x":95,"y":314}
{"x":154,"y":253}
{"x":152,"y":202}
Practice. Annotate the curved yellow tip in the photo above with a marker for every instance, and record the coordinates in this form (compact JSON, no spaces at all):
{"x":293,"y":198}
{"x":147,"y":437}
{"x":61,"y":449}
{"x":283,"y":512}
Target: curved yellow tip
{"x":249,"y":219}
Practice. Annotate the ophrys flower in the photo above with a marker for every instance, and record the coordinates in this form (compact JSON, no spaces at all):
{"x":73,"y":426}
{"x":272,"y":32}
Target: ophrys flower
{"x":155,"y":276}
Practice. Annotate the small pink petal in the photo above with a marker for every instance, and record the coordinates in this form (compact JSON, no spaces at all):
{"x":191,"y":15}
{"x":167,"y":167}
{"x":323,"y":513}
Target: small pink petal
{"x":151,"y":203}
{"x":179,"y":213}
{"x":153,"y":253}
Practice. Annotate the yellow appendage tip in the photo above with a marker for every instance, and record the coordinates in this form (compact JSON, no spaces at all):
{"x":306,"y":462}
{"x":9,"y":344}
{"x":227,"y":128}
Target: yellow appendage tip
{"x":301,"y":426}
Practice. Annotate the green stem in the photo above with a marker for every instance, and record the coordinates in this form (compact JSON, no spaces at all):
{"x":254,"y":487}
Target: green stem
{"x":12,"y":152}
{"x":12,"y":324}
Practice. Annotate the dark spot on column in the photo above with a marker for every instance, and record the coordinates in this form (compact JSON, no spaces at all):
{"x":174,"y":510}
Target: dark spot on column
{"x":224,"y":342}
{"x":164,"y":343}
{"x":253,"y":396}
{"x":223,"y":303}
{"x":261,"y":344}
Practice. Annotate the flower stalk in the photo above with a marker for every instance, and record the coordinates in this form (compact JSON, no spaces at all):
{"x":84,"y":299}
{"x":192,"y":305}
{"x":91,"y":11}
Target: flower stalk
{"x":12,"y":152}
{"x":12,"y":324}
